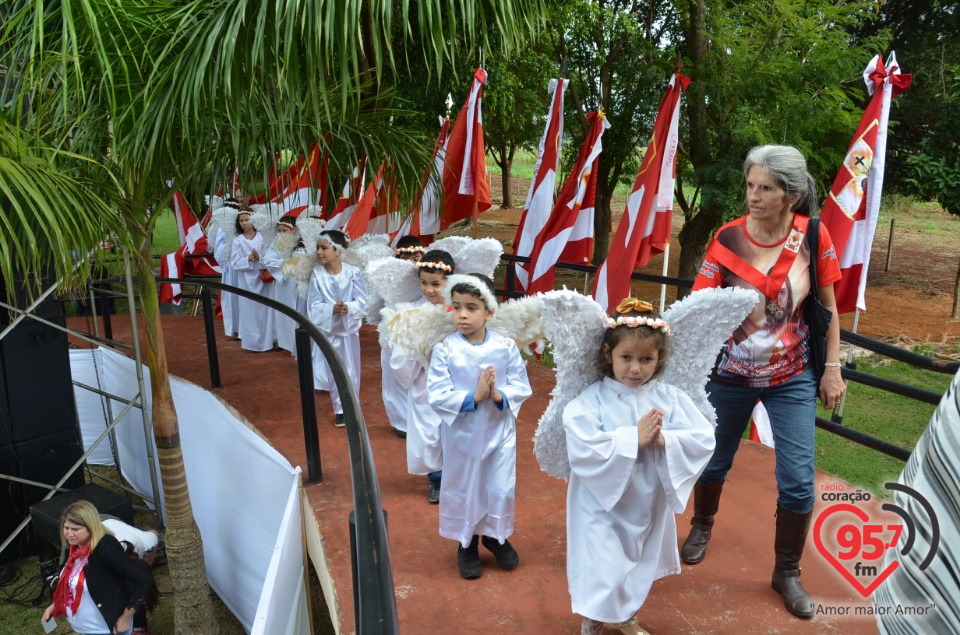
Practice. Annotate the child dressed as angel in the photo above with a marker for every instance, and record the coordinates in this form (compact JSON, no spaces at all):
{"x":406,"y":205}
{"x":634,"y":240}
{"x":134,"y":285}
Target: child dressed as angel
{"x":477,"y":382}
{"x":336,"y":303}
{"x":636,"y":446}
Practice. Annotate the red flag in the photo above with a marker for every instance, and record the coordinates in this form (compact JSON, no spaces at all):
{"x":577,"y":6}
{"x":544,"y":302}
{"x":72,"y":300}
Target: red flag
{"x":466,"y":187}
{"x":850,"y":212}
{"x":308,"y":185}
{"x":360,"y":219}
{"x":192,"y":240}
{"x":423,"y":219}
{"x":385,"y":216}
{"x":236,"y":181}
{"x":347,"y":202}
{"x":539,"y":202}
{"x":645,"y":225}
{"x":171,"y":266}
{"x":565,"y":219}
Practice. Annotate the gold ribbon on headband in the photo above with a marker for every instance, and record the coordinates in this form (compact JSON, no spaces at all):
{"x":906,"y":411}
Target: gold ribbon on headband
{"x":633,"y":304}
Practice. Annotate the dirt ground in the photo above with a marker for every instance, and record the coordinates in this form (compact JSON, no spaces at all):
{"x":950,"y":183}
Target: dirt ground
{"x":909,"y":305}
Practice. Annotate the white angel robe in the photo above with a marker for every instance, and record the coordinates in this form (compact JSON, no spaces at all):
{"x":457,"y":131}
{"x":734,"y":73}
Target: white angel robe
{"x":228,"y":301}
{"x":394,"y":395}
{"x":621,"y":501}
{"x":343,"y":331}
{"x":256,"y":320}
{"x":285,"y":291}
{"x":424,"y":454}
{"x":479,"y":447}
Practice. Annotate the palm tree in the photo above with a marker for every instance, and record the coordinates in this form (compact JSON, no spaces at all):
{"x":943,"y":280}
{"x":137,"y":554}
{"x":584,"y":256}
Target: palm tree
{"x":129,"y":93}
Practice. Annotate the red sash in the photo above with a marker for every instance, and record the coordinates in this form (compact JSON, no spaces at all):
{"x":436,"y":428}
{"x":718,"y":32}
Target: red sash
{"x":767,"y":284}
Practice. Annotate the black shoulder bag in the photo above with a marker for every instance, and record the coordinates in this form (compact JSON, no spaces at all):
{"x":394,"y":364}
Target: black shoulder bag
{"x":816,"y":315}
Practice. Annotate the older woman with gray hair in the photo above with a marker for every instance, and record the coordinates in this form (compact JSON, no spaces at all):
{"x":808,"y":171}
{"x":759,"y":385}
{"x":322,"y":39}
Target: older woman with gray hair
{"x":768,"y":358}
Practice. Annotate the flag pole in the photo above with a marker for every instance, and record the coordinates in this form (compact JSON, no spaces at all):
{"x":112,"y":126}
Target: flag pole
{"x":663,"y":286}
{"x":476,"y":206}
{"x":838,"y":415}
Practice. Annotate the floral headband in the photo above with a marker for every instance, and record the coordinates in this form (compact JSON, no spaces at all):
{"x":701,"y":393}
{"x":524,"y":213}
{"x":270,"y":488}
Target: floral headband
{"x":286,"y":224}
{"x":633,"y":321}
{"x":435,"y":265}
{"x":408,"y":250}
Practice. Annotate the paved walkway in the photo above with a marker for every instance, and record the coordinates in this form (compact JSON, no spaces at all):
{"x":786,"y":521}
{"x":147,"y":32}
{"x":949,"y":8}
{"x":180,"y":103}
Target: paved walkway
{"x":729,"y":592}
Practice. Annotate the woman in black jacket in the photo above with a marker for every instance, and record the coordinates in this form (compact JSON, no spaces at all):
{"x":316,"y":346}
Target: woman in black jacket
{"x":100,"y":588}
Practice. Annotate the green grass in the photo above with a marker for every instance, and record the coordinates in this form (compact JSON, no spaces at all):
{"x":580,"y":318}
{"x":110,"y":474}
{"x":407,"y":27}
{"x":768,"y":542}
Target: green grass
{"x":892,"y":418}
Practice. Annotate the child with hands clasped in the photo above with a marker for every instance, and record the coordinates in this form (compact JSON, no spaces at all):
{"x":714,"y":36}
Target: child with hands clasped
{"x":336,"y":303}
{"x":256,"y":328}
{"x":476,"y":383}
{"x":636,"y":446}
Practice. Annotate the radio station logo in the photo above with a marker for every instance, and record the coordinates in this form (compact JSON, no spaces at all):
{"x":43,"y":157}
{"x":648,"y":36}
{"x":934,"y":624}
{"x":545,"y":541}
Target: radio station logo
{"x":855,"y":544}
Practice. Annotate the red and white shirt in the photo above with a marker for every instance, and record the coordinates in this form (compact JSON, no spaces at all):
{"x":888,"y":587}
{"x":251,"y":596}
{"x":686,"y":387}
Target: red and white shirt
{"x":771,"y":345}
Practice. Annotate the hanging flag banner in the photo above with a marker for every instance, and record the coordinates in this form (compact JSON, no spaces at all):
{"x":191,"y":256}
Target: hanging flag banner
{"x":644,"y":228}
{"x":466,"y":186}
{"x":347,"y":202}
{"x":573,"y":209}
{"x":423,"y":218}
{"x":359,"y":220}
{"x":850,"y":212}
{"x":539,"y":202}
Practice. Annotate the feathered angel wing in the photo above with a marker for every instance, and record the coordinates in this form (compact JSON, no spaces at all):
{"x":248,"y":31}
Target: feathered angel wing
{"x":451,"y":244}
{"x":224,"y":218}
{"x":264,"y":224}
{"x":520,"y":320}
{"x":310,"y":229}
{"x":413,"y":330}
{"x":479,"y":256}
{"x":394,"y":280}
{"x":371,"y":239}
{"x":372,"y":252}
{"x":382,"y":276}
{"x":574,"y":325}
{"x":214,"y":202}
{"x":699,"y":325}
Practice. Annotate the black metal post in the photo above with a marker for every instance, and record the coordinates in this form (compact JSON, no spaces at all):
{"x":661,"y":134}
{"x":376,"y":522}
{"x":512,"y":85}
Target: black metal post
{"x":355,"y":566}
{"x":105,"y":305}
{"x":210,"y":329}
{"x":308,"y":403}
{"x":511,"y":279}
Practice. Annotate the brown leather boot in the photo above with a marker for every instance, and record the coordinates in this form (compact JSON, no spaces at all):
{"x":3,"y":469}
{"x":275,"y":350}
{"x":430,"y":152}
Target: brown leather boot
{"x":706,"y":501}
{"x":792,"y":531}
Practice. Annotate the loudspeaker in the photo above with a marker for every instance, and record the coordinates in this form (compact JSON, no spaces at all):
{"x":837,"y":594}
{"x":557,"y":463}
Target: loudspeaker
{"x":46,"y":515}
{"x":12,"y":510}
{"x":39,"y":434}
{"x":37,"y":380}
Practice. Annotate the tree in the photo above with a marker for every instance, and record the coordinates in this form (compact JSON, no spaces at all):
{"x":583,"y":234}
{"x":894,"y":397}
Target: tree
{"x":127,"y":86}
{"x":514,"y":107}
{"x":786,"y":72}
{"x":923,"y":151}
{"x":617,"y":54}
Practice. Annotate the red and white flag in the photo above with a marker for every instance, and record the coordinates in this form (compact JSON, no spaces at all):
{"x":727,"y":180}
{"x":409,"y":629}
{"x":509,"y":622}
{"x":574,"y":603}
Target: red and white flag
{"x":466,"y":186}
{"x":645,"y":225}
{"x":349,"y":197}
{"x":385,"y":217}
{"x":236,"y":180}
{"x":359,"y":221}
{"x":192,"y":241}
{"x":574,"y":208}
{"x":423,"y":219}
{"x":850,"y":212}
{"x":539,"y":202}
{"x":308,"y":185}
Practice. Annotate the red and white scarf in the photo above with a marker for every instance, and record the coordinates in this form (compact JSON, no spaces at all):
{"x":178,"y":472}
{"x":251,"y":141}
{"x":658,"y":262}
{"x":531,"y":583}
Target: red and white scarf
{"x":62,"y":597}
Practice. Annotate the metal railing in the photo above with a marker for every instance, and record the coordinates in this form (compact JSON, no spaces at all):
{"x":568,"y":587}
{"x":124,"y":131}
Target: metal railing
{"x":375,"y":606}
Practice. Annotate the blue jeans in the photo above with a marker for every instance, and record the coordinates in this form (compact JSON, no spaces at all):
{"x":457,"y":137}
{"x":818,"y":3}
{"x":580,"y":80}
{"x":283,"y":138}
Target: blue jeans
{"x":792,"y":406}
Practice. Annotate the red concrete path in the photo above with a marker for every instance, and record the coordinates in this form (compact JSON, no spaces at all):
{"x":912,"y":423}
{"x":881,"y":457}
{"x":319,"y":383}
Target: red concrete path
{"x":729,"y":592}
